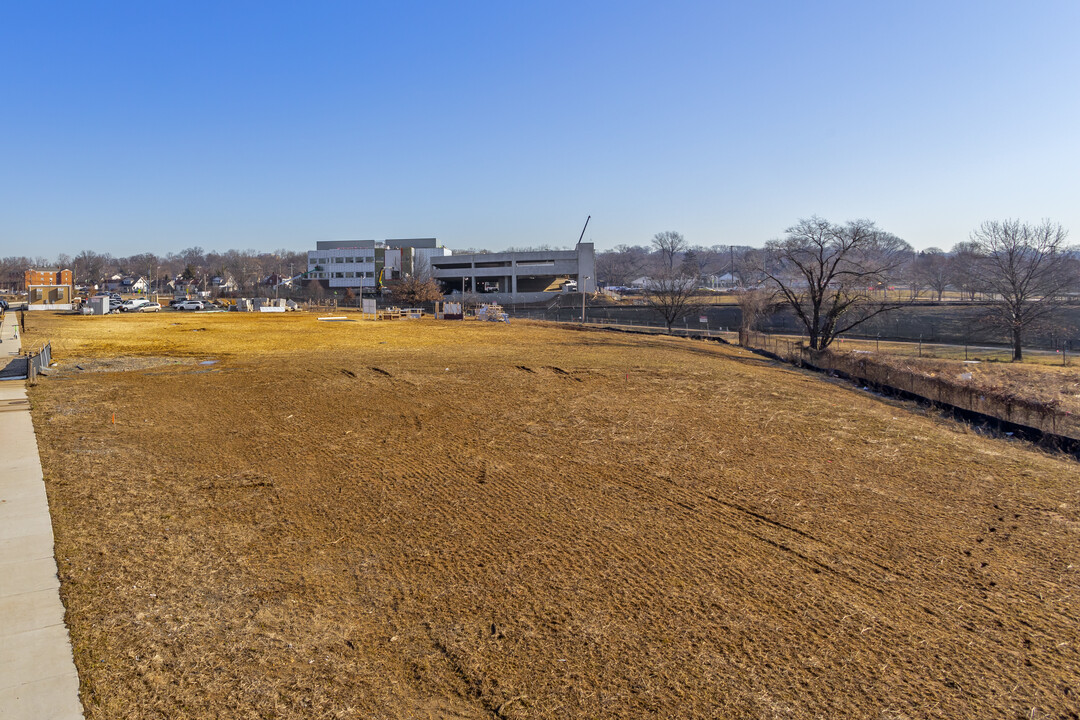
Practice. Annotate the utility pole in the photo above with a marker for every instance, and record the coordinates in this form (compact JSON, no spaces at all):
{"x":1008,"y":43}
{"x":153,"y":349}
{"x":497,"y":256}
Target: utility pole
{"x":584,"y":281}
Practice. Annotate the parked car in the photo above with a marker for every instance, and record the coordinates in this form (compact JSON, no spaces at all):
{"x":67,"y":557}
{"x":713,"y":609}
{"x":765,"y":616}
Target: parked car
{"x":189,"y":305}
{"x":115,"y":305}
{"x":150,"y":307}
{"x":176,"y":301}
{"x":129,"y":305}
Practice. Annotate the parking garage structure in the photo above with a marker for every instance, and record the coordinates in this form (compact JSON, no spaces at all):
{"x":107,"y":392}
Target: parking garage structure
{"x":518,"y":276}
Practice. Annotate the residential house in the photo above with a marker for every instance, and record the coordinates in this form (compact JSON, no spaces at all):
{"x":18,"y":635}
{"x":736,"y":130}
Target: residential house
{"x":128,"y":284}
{"x":223,"y":283}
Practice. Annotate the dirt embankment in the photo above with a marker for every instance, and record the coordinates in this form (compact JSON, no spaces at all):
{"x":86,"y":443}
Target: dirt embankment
{"x":1053,"y":386}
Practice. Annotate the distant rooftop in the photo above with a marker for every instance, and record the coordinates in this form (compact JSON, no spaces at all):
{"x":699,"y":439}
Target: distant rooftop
{"x":393,"y":244}
{"x":412,"y":242}
{"x":342,"y":244}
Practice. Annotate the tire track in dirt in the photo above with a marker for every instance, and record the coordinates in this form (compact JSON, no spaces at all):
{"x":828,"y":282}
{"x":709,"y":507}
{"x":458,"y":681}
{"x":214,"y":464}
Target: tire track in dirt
{"x":750,"y":524}
{"x":775,"y":523}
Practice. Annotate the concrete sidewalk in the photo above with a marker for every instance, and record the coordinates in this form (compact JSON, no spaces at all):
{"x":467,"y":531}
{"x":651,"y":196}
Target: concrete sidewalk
{"x":37,"y":672}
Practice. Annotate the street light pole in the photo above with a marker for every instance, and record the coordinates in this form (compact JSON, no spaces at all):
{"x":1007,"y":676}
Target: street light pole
{"x":584,"y":282}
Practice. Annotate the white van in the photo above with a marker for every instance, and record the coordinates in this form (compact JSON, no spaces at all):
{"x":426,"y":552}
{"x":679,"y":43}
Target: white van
{"x":129,"y":305}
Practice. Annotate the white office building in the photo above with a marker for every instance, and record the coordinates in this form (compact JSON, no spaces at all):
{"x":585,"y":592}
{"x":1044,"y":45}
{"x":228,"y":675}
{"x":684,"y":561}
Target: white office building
{"x":365,"y":265}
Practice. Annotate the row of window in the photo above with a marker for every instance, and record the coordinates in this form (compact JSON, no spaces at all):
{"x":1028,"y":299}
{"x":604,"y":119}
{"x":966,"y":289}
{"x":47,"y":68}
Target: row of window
{"x":343,"y":275}
{"x":346,"y":259}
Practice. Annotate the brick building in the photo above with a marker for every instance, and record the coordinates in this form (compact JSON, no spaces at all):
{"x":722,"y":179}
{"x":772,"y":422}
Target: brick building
{"x":50,"y":289}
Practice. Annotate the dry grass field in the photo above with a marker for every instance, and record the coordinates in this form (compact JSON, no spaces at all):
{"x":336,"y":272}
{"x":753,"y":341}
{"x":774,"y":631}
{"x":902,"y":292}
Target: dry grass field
{"x":464,"y":520}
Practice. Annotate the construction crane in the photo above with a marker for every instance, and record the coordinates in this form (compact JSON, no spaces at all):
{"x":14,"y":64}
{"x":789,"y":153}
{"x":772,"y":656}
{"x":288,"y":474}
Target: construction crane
{"x":583,"y":231}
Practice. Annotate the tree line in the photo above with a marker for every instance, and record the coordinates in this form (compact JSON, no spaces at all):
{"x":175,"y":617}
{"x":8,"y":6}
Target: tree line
{"x":833,"y":277}
{"x":248,"y":268}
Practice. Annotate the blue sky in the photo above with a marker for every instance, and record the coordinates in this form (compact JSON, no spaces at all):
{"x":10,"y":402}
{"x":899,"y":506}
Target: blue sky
{"x":155,"y":126}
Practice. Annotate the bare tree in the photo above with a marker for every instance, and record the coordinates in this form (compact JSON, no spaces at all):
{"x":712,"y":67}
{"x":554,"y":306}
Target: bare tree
{"x":750,"y":268}
{"x":1026,"y":270}
{"x":754,"y":304}
{"x":718,"y":259}
{"x":13,"y":272}
{"x":932,"y":270}
{"x":673,"y":295}
{"x":315,"y":290}
{"x":825,"y":273}
{"x":89,"y":266}
{"x":963,"y":273}
{"x":672,"y":289}
{"x":696,"y":259}
{"x":622,"y":265}
{"x":669,"y":245}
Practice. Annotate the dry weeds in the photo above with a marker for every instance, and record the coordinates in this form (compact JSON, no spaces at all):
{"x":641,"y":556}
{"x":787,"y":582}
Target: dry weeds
{"x":1051,"y":386}
{"x":466,"y":520}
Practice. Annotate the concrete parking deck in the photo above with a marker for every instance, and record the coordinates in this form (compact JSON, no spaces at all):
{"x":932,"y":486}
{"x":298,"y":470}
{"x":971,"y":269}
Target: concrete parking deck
{"x":38,"y":680}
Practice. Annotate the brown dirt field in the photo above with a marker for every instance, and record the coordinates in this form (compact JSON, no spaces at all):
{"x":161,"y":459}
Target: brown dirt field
{"x":465,"y":520}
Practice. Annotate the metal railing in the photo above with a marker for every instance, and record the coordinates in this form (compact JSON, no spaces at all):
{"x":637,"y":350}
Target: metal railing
{"x":36,"y":362}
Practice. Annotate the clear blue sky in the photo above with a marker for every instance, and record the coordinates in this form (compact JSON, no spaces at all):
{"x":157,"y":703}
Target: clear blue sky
{"x":154,"y":126}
